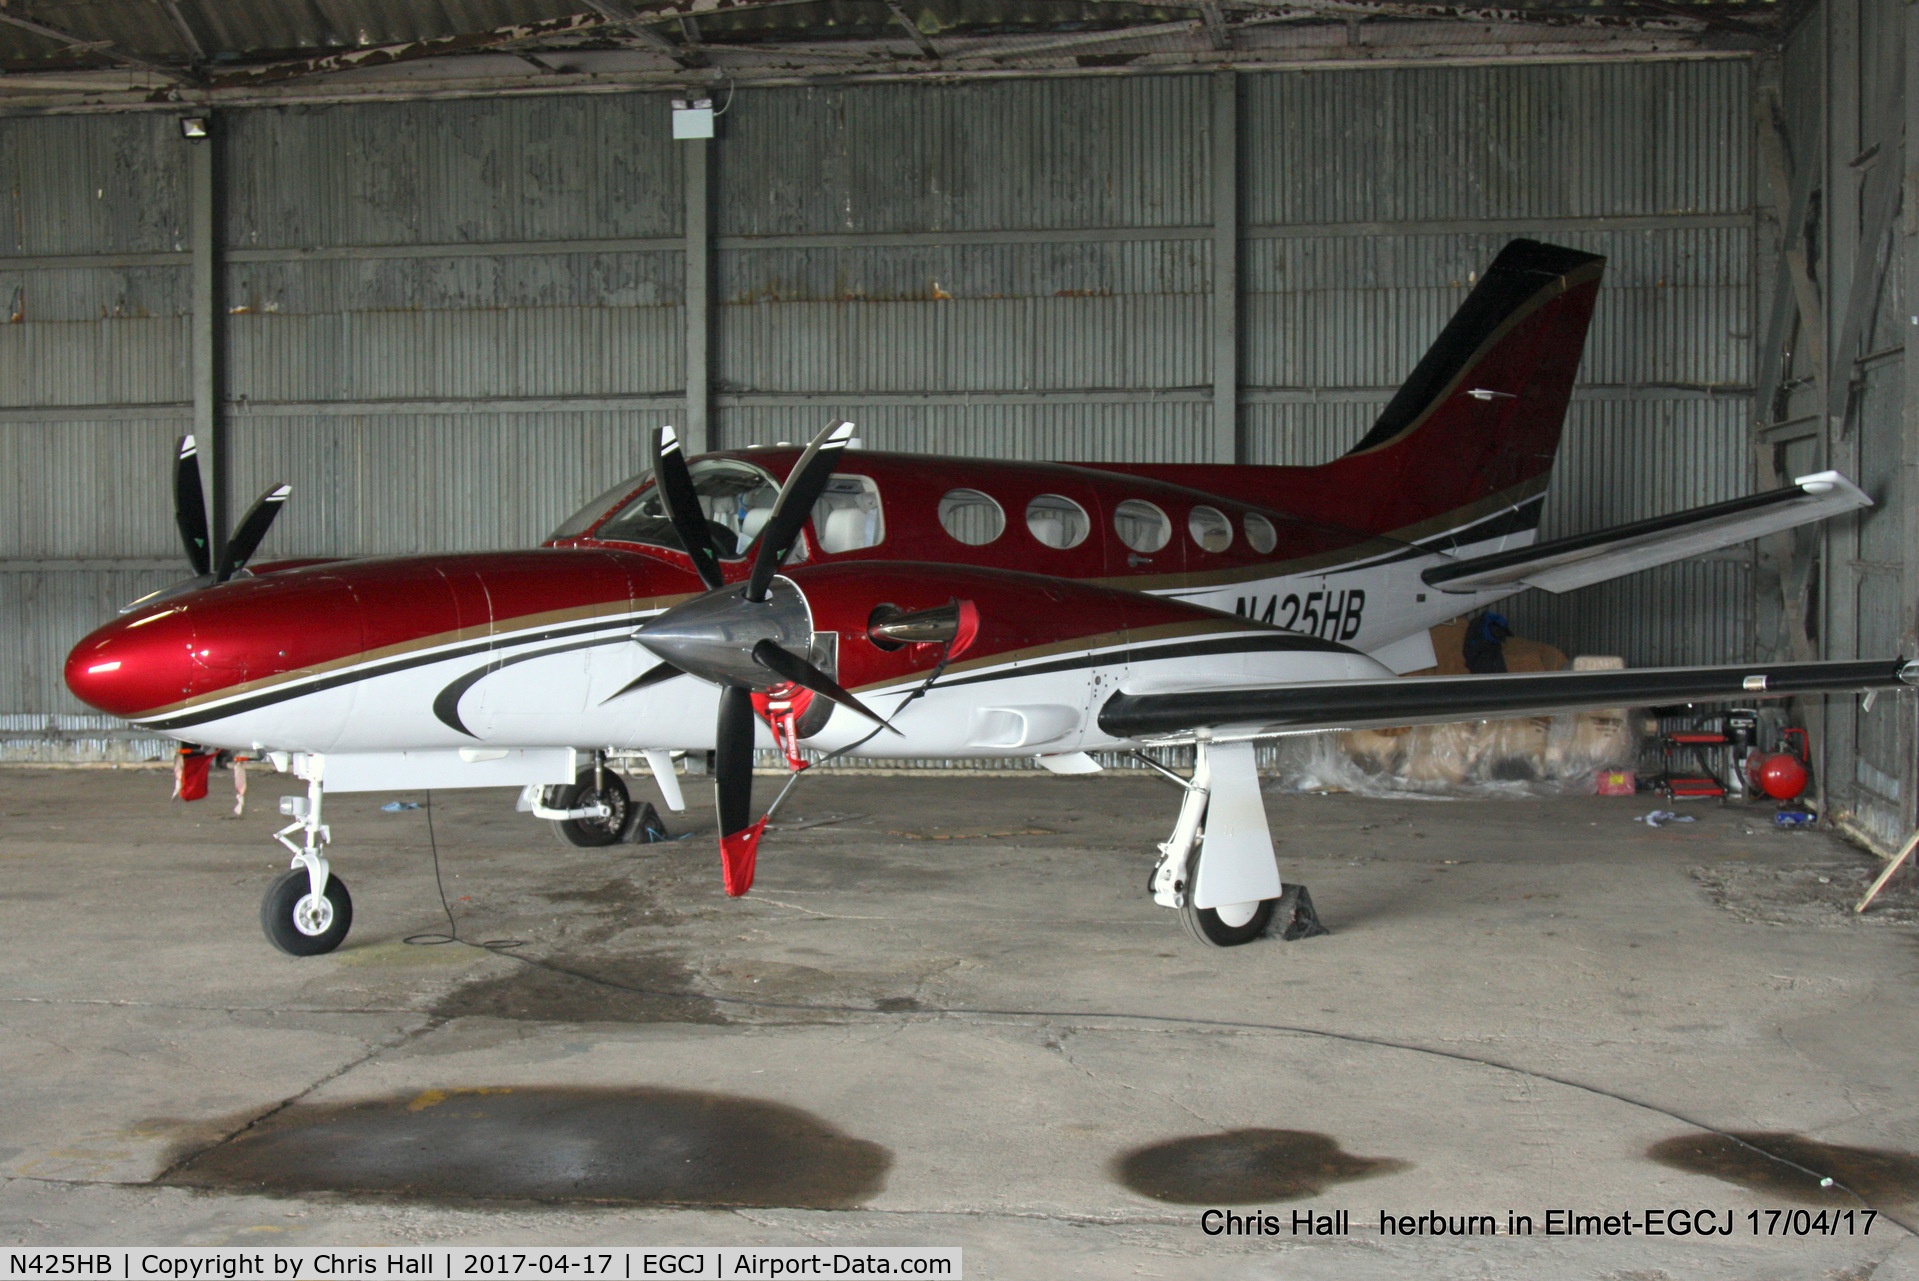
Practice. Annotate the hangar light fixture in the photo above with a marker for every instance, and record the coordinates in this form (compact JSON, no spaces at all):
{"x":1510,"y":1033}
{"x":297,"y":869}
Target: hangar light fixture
{"x":692,"y":119}
{"x":193,"y":127}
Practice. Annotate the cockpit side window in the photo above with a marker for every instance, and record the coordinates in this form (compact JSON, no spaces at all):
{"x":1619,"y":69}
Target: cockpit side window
{"x":582,"y":520}
{"x":737,"y":498}
{"x":849,"y":515}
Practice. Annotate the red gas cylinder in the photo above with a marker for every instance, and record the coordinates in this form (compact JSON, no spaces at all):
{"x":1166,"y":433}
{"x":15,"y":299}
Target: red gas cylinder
{"x":1780,"y":776}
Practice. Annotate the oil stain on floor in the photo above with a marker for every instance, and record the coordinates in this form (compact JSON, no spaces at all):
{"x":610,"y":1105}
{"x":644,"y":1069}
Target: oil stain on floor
{"x":1245,"y":1167}
{"x":637,"y":1145}
{"x":632,"y":989}
{"x":1792,"y":1165}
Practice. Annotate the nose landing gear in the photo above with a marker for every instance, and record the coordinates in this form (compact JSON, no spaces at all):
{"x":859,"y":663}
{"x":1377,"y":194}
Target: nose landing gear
{"x":307,"y":911}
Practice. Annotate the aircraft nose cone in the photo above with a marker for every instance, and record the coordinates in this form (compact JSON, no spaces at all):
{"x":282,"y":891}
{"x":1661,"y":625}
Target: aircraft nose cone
{"x":713,"y":636}
{"x":136,"y":663}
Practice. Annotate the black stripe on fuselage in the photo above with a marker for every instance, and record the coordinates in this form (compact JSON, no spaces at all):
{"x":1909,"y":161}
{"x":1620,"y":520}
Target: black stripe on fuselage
{"x":296,"y":689}
{"x":446,"y":705}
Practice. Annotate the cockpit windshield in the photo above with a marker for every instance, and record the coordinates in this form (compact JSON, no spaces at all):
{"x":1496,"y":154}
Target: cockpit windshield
{"x":737,"y":498}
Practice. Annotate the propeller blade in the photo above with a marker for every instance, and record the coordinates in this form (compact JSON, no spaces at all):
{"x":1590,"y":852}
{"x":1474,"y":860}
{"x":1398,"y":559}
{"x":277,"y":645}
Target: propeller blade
{"x":190,"y":506}
{"x":804,"y":485}
{"x":733,"y":789}
{"x":253,"y":528}
{"x":682,"y":501}
{"x":651,"y":676}
{"x":787,"y":665}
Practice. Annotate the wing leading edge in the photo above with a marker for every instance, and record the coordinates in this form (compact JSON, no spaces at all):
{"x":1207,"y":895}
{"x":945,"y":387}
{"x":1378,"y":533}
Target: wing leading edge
{"x":1421,"y":700}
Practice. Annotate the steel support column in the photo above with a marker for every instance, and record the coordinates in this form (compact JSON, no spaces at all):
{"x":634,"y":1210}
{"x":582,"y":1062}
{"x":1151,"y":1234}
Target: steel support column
{"x":697,"y":431}
{"x":1835,"y":732}
{"x":208,"y":338}
{"x":1226,"y":444}
{"x":1906,"y":258}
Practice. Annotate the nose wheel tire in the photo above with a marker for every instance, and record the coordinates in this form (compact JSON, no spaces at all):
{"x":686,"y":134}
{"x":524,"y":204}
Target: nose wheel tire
{"x":591,"y":832}
{"x":300,"y":925}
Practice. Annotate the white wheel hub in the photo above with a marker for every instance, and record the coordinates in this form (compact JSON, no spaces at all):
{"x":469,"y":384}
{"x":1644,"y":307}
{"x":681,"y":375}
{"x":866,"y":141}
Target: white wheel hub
{"x":313,"y":915}
{"x":1236,"y":914}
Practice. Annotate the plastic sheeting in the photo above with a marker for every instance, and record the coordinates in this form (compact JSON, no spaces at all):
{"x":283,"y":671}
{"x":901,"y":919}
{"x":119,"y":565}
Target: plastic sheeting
{"x":1531,"y":756}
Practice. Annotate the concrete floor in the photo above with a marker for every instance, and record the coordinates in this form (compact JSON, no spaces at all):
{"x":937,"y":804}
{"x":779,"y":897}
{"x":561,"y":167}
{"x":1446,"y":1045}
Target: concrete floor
{"x":949,"y":1015}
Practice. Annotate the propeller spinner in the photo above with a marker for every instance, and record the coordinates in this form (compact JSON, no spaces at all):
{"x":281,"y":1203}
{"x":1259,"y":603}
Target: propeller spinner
{"x":745,"y":637}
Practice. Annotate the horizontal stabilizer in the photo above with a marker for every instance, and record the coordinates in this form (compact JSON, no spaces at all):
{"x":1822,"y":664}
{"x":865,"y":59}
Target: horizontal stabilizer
{"x":1427,"y":700}
{"x":1567,"y":563}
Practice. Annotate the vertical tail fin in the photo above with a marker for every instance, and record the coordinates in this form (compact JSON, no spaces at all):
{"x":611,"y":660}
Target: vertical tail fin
{"x":1475,"y":426}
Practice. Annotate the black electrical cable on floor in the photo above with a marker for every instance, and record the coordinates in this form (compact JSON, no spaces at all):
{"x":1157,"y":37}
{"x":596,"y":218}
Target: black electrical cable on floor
{"x":433,"y":938}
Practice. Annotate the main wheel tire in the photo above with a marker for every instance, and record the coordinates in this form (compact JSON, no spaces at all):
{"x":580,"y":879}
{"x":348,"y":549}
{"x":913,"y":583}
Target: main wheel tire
{"x":1230,"y":925}
{"x":297,"y":925}
{"x":591,"y":832}
{"x":644,"y":825}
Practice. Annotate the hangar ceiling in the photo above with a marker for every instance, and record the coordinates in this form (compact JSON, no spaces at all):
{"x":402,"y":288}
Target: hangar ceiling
{"x":204,"y":50}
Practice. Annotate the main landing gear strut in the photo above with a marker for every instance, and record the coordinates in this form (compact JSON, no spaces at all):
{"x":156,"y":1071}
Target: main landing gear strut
{"x":1217,"y":870}
{"x":308,"y":910}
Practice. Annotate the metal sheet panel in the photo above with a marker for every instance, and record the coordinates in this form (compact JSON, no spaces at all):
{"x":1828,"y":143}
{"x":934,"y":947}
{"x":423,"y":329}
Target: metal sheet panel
{"x":87,"y":490}
{"x":1349,"y":311}
{"x":1111,"y":152}
{"x":1305,"y":435}
{"x":133,"y":360}
{"x":965,"y":344}
{"x":468,"y":354}
{"x":400,"y":484}
{"x":1670,"y":616}
{"x":1497,"y":142}
{"x":92,"y":184}
{"x":485,"y":282}
{"x":1176,"y":433}
{"x":475,"y":170}
{"x":93,"y":294}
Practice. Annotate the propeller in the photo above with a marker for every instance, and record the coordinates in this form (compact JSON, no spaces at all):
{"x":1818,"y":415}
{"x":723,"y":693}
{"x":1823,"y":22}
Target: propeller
{"x":253,"y":528}
{"x":791,"y":667}
{"x":210,"y":563}
{"x":803,"y":487}
{"x":745,"y":637}
{"x":190,"y":506}
{"x":733,"y":790}
{"x":683,"y":507}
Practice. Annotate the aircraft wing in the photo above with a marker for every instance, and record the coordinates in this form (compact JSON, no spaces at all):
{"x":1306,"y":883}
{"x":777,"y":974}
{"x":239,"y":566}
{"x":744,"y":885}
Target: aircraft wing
{"x":1421,"y":700}
{"x":1566,"y":563}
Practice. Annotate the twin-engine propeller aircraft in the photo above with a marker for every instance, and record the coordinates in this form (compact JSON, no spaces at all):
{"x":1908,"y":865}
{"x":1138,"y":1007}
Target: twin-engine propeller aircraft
{"x":911,"y":606}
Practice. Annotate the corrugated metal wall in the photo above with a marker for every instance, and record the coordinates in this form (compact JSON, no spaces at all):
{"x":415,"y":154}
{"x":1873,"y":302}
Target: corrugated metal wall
{"x":451,"y":320}
{"x":1849,"y":134}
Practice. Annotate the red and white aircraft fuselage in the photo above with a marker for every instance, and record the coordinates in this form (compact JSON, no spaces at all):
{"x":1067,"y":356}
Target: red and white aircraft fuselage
{"x":980,"y":608}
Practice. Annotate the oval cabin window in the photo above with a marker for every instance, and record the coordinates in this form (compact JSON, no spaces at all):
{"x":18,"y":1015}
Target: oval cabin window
{"x":1142,"y":526}
{"x":1210,"y":529}
{"x":971,"y":517}
{"x":1260,"y":533}
{"x":1057,"y":521}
